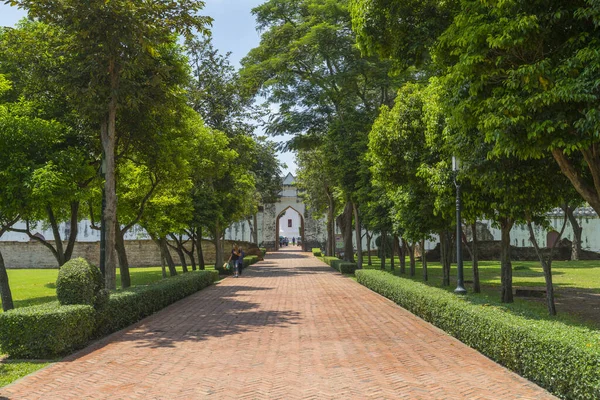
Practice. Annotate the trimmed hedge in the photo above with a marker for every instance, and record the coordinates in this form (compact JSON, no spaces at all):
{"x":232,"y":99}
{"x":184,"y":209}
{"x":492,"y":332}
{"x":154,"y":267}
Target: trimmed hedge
{"x":344,"y":267}
{"x":45,"y":331}
{"x":79,"y":282}
{"x":263,"y":250}
{"x":131,"y":305}
{"x":563,"y":359}
{"x":316,"y":252}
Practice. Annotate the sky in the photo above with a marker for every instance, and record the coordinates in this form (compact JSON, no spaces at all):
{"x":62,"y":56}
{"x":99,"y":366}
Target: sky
{"x":233,"y":30}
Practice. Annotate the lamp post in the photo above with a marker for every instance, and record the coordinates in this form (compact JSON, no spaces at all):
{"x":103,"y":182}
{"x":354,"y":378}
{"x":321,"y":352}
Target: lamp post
{"x":102,"y":224}
{"x":460,"y":288}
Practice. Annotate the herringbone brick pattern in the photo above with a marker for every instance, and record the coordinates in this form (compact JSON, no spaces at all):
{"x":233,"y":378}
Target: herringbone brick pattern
{"x":289,"y":328}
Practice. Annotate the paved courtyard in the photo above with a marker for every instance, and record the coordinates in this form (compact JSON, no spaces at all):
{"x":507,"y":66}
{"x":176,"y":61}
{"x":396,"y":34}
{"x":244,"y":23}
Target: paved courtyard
{"x":289,"y":328}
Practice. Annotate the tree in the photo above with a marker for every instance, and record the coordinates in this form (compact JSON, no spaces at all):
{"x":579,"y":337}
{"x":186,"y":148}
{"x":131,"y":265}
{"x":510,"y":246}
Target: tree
{"x":528,"y":72}
{"x":327,"y":94}
{"x":112,"y":41}
{"x":24,"y":141}
{"x":61,"y":179}
{"x":316,"y":185}
{"x":400,"y":152}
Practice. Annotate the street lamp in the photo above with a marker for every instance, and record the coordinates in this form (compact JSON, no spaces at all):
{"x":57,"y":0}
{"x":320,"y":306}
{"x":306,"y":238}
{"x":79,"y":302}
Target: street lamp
{"x":460,"y":288}
{"x":102,"y":224}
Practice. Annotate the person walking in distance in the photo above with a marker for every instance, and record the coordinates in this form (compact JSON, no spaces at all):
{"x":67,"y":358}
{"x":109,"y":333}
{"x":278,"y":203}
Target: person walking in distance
{"x":233,"y":260}
{"x":241,"y":260}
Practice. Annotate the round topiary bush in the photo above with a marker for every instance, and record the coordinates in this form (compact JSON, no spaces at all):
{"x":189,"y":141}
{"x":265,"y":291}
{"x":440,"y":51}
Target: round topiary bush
{"x":79,"y":282}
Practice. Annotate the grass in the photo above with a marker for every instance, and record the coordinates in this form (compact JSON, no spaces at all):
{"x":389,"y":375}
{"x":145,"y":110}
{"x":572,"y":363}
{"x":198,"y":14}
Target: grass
{"x":36,"y":286}
{"x":573,"y":274}
{"x":567,"y":274}
{"x":11,"y":370}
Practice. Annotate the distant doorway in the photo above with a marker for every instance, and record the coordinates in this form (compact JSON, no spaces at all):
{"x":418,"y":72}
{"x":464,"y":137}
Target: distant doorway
{"x":290,"y":228}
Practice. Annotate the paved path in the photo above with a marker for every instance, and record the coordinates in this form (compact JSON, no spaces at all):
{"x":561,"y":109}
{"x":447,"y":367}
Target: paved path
{"x":289,"y":328}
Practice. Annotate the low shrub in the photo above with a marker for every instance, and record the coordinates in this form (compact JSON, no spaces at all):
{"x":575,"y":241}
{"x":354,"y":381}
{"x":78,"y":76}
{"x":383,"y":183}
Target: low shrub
{"x":263,"y":250}
{"x":347,"y":267}
{"x":344,"y":267}
{"x":328,"y":259}
{"x":45,"y":331}
{"x":249,"y":260}
{"x":563,"y":359}
{"x":131,"y":305}
{"x":78,"y":282}
{"x":316,"y":252}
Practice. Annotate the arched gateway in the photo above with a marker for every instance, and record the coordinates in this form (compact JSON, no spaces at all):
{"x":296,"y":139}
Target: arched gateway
{"x":312,"y":232}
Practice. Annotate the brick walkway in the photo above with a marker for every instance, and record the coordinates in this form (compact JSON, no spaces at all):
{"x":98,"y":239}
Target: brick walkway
{"x":289,"y":328}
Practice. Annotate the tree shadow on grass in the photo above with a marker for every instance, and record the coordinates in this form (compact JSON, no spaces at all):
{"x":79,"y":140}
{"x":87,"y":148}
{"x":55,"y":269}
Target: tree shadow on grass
{"x":33,"y":301}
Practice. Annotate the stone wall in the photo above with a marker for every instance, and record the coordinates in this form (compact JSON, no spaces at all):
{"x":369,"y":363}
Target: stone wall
{"x":140,"y":253}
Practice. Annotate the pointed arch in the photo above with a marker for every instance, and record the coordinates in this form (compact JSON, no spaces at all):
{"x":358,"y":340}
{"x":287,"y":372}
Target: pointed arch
{"x":278,"y":218}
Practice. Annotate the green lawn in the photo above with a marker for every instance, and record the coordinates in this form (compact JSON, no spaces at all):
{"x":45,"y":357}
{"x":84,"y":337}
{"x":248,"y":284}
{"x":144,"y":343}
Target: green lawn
{"x":11,"y":370}
{"x":35,"y":286}
{"x":575,"y":274}
{"x":567,"y":274}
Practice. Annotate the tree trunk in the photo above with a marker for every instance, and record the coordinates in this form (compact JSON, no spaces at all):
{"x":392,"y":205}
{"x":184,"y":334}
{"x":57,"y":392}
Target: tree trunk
{"x":5,"y":294}
{"x":369,"y":262}
{"x":505,"y":260}
{"x":402,"y":248}
{"x":382,"y":240}
{"x":201,"y":263}
{"x":255,"y":232}
{"x":162,"y":265}
{"x":445,"y":257}
{"x":123,"y":261}
{"x":475,"y":257}
{"x":358,"y":234}
{"x":60,"y":253}
{"x":577,"y":231}
{"x":547,"y":268}
{"x":179,"y":249}
{"x":585,"y":189}
{"x":164,"y":248}
{"x":330,"y":250}
{"x":547,"y":262}
{"x":411,"y":255}
{"x":110,"y":211}
{"x":392,"y":261}
{"x":190,"y":253}
{"x":345,"y":224}
{"x":181,"y":255}
{"x":424,"y":260}
{"x":218,"y":247}
{"x":74,"y":225}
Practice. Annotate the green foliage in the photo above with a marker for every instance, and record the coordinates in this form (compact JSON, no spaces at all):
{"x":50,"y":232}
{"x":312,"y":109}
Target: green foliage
{"x":343,"y":266}
{"x":45,"y":331}
{"x":79,"y":282}
{"x":264,"y":251}
{"x":316,"y":252}
{"x":563,"y":359}
{"x":11,"y":370}
{"x":129,"y":306}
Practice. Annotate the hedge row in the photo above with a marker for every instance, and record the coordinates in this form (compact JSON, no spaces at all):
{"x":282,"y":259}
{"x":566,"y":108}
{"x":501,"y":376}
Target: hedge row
{"x":344,"y":267}
{"x":46,"y":330}
{"x":50,"y":330}
{"x":316,"y":252}
{"x":563,"y":359}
